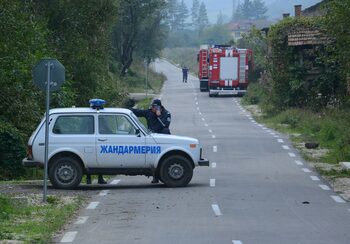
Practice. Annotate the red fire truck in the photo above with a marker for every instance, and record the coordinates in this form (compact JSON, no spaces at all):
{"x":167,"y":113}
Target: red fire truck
{"x":227,"y":69}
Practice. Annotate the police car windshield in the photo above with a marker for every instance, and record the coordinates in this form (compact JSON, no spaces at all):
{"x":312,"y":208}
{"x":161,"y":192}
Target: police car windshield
{"x":140,"y":124}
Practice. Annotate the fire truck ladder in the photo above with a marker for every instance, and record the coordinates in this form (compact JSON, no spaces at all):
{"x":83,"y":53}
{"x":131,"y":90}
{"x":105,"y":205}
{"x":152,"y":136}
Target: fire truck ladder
{"x":204,"y":64}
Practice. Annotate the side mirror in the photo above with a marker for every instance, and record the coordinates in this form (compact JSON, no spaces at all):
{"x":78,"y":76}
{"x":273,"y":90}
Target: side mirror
{"x":138,"y":133}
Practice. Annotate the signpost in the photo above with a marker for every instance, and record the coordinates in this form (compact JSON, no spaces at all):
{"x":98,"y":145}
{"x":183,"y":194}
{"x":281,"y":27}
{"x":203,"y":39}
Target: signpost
{"x":48,"y":75}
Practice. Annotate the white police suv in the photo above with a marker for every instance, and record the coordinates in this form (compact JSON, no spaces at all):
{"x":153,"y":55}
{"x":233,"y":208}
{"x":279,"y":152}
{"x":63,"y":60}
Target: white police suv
{"x":110,"y":141}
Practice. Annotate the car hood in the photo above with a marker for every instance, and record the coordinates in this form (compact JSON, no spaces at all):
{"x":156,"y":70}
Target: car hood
{"x":173,"y":139}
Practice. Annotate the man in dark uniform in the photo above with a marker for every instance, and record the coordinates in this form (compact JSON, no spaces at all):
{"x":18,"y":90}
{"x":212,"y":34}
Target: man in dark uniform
{"x":184,"y":74}
{"x":158,"y":120}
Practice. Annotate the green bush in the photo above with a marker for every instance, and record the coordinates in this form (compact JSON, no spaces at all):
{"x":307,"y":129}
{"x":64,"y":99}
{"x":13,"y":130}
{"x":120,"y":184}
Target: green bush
{"x":255,"y":94}
{"x":12,"y":151}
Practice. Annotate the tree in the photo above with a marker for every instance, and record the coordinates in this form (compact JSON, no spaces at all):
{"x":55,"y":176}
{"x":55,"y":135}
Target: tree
{"x":234,"y":9}
{"x":220,"y":19}
{"x":203,"y":17}
{"x":80,"y":35}
{"x":152,"y":35}
{"x":127,"y":31}
{"x":260,"y":9}
{"x":182,"y":15}
{"x":195,"y":13}
{"x":251,"y":10}
{"x":337,"y":26}
{"x":215,"y":34}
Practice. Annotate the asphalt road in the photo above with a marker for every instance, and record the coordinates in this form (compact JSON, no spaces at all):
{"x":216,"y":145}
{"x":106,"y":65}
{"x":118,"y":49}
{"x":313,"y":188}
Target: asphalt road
{"x":256,"y":190}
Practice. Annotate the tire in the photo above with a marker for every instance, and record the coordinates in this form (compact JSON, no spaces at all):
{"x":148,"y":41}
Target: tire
{"x":176,"y":171}
{"x":65,"y":173}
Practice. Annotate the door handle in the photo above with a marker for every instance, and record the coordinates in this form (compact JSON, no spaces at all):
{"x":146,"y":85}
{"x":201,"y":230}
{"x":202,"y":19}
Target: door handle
{"x":102,"y":139}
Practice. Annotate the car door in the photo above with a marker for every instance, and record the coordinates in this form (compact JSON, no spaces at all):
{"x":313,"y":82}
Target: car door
{"x":119,"y":142}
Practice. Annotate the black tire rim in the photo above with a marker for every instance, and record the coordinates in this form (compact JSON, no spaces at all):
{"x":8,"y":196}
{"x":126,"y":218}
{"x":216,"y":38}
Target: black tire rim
{"x":176,"y":171}
{"x":65,"y":174}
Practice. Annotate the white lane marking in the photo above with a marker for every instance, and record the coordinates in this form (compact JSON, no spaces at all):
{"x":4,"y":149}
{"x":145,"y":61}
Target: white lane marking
{"x":216,"y":209}
{"x":196,"y":103}
{"x":212,"y":183}
{"x":81,"y":220}
{"x":198,"y":108}
{"x":273,"y":133}
{"x":324,"y":187}
{"x":306,"y":170}
{"x":215,"y":149}
{"x":92,"y":205}
{"x":203,"y":119}
{"x":338,"y":199}
{"x":269,"y":131}
{"x":213,"y":165}
{"x":206,"y":125}
{"x":213,"y":136}
{"x":314,"y":178}
{"x":260,"y":125}
{"x":103,"y":193}
{"x":69,"y":237}
{"x":276,"y":136}
{"x":236,"y":242}
{"x":200,"y":113}
{"x":285,"y":147}
{"x":280,"y":140}
{"x":210,"y":131}
{"x":292,"y":155}
{"x":114,"y":182}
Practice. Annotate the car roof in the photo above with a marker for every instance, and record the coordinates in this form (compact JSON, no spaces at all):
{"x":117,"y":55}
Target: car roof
{"x":88,"y":110}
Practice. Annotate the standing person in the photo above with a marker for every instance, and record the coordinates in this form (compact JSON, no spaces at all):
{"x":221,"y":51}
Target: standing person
{"x":158,"y":120}
{"x":184,"y":74}
{"x":99,"y":181}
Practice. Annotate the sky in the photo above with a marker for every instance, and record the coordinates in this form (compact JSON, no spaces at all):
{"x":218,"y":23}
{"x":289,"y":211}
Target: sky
{"x":276,"y":7}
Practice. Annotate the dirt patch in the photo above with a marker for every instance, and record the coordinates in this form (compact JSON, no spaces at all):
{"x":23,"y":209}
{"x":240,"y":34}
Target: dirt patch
{"x":340,"y":185}
{"x":31,"y":192}
{"x":254,"y":110}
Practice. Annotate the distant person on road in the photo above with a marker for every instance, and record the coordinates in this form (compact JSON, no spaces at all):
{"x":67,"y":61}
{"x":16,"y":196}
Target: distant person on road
{"x":184,"y":74}
{"x":158,"y":120}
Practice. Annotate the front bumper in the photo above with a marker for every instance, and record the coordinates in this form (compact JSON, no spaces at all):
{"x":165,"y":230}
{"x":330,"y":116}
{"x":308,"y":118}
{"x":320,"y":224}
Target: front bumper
{"x":31,"y":163}
{"x":226,"y":92}
{"x":203,"y":162}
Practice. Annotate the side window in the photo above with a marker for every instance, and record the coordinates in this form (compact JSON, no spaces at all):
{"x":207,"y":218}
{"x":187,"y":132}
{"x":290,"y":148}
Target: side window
{"x":115,"y":125}
{"x":74,"y":124}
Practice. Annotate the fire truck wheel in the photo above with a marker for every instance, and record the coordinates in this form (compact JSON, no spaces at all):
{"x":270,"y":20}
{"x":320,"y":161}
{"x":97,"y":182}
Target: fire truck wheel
{"x":176,"y":171}
{"x":65,"y":173}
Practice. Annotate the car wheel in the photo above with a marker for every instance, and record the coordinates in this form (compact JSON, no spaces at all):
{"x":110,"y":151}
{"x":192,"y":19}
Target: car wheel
{"x":65,"y":173}
{"x":176,"y":171}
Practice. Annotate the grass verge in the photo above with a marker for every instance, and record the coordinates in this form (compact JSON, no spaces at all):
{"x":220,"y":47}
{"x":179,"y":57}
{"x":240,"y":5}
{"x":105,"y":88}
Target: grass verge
{"x":28,"y":220}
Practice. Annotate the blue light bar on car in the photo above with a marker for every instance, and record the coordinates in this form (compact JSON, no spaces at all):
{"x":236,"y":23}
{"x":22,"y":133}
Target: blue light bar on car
{"x":97,"y":103}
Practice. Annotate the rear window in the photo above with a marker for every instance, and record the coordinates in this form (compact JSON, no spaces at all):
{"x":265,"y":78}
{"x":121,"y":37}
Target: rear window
{"x":74,"y":124}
